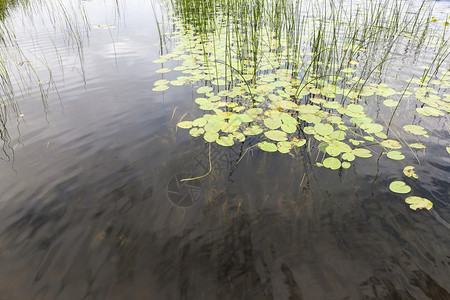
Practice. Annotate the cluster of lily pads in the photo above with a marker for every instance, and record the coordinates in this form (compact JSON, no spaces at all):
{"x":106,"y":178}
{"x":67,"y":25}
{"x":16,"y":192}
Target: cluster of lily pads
{"x":256,"y":93}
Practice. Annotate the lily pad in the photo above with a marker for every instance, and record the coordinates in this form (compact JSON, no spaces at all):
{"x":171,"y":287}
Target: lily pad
{"x":365,"y":153}
{"x":391,"y":144}
{"x":418,"y":203}
{"x":395,"y":155}
{"x":276,"y":135}
{"x":160,"y":88}
{"x":399,"y":187}
{"x":225,"y":141}
{"x":253,"y":130}
{"x":417,"y":146}
{"x":409,"y":172}
{"x":269,"y":147}
{"x":185,"y":124}
{"x":332,"y":163}
{"x":211,"y":136}
{"x":390,"y":103}
{"x":415,"y":129}
{"x":272,"y":123}
{"x":323,"y":129}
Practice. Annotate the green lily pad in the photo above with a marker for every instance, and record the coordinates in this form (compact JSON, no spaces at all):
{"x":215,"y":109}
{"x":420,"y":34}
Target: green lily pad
{"x":269,"y":147}
{"x":160,"y":88}
{"x":417,"y":146}
{"x":163,"y":70}
{"x":346,"y":165}
{"x":225,"y":141}
{"x":185,"y":124}
{"x":348,"y":156}
{"x":418,"y":203}
{"x":409,"y":172}
{"x":391,"y":144}
{"x":204,"y":90}
{"x":253,"y":130}
{"x":272,"y":123}
{"x":211,"y":136}
{"x":399,"y":187}
{"x":390,"y":103}
{"x":372,"y":127}
{"x":161,"y":82}
{"x":430,"y":111}
{"x":276,"y":135}
{"x":365,"y":153}
{"x":289,"y":128}
{"x":332,"y":163}
{"x":238,"y":136}
{"x":199,"y":122}
{"x":323,"y":129}
{"x":415,"y":129}
{"x":395,"y":155}
{"x":284,"y":147}
{"x":195,"y":132}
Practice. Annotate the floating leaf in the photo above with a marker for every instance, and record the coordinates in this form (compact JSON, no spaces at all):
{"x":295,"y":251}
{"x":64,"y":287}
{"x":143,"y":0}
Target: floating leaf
{"x":395,"y":155}
{"x":266,"y":146}
{"x":195,"y":132}
{"x":348,"y":156}
{"x":392,"y":144}
{"x":162,"y":70}
{"x":365,"y":153}
{"x":225,"y":141}
{"x":253,"y":130}
{"x":346,"y":165}
{"x":332,"y":163}
{"x":238,"y":136}
{"x":298,"y":142}
{"x":160,"y":88}
{"x":448,"y":149}
{"x":276,"y":135}
{"x":323,"y":129}
{"x":417,"y":146}
{"x":409,"y":172}
{"x":204,"y":90}
{"x":289,"y":128}
{"x":185,"y":124}
{"x":210,"y":136}
{"x":415,"y":129}
{"x":430,"y":111}
{"x":272,"y":123}
{"x":199,"y":122}
{"x":162,"y":82}
{"x":390,"y":103}
{"x":372,"y":127}
{"x":284,"y":147}
{"x":418,"y":203}
{"x":399,"y":187}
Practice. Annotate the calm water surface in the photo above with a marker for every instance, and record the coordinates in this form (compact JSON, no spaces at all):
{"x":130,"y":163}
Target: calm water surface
{"x":91,"y":206}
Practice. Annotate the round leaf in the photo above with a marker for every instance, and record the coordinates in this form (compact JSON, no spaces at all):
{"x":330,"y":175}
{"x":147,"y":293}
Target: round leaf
{"x":399,"y":187}
{"x":418,"y":203}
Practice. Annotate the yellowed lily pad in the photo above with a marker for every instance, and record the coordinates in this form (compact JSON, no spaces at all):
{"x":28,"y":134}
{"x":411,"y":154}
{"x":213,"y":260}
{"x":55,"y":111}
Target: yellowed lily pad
{"x":418,"y":203}
{"x":409,"y":172}
{"x":391,"y":144}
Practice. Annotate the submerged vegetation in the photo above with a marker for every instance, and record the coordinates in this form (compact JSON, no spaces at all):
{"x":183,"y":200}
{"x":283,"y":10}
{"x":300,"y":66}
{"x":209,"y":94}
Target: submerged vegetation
{"x":281,"y":75}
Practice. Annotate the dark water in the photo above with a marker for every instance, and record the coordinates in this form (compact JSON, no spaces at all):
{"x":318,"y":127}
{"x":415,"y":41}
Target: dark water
{"x":91,"y":206}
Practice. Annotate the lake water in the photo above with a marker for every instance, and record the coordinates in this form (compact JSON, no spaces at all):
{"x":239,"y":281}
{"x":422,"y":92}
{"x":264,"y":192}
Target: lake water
{"x":92,"y":206}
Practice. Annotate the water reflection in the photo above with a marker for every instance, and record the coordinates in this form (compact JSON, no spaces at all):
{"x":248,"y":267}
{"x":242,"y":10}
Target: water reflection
{"x":87,"y":213}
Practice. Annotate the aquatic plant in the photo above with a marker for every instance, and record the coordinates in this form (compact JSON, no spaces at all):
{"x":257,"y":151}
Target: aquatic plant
{"x":281,"y":72}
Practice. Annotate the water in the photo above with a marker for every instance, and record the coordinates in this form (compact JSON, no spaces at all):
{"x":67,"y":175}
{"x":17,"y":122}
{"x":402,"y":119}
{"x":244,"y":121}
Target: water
{"x":91,"y":205}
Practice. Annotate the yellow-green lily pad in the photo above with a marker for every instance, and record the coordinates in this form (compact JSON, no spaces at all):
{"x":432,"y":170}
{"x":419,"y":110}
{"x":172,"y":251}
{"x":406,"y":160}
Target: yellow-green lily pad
{"x":332,"y":163}
{"x":409,"y":172}
{"x":185,"y":124}
{"x":399,"y":187}
{"x":395,"y":155}
{"x":418,"y":203}
{"x":269,"y":147}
